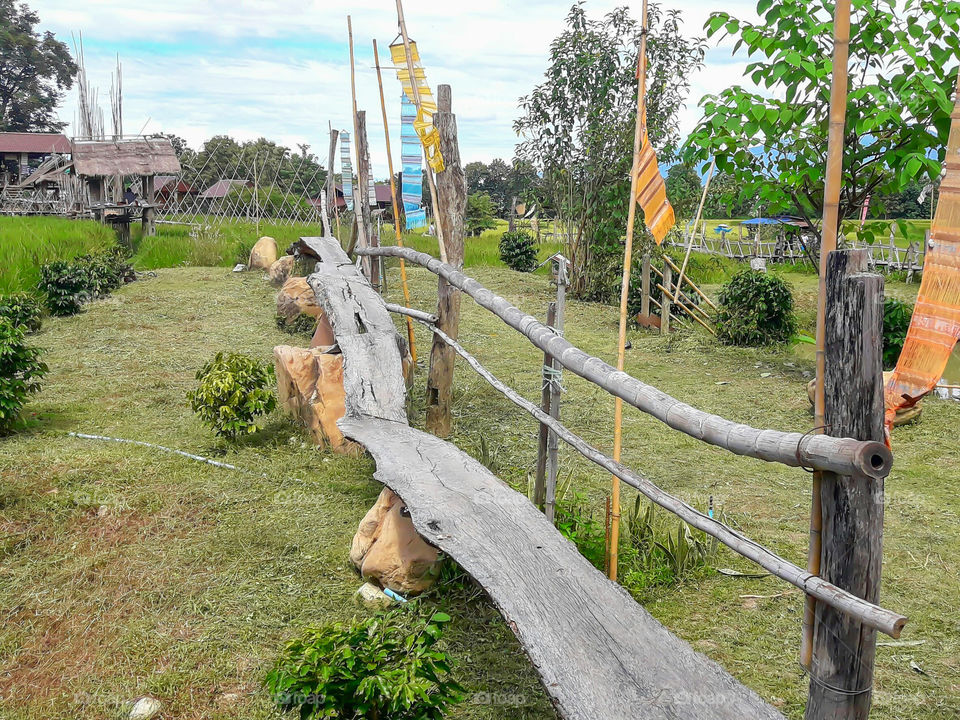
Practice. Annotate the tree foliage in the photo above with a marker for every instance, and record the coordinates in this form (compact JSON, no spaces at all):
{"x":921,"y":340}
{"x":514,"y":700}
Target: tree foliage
{"x":35,"y":71}
{"x":578,"y":126}
{"x":233,"y":390}
{"x":903,"y":66}
{"x":479,"y":213}
{"x":503,"y":182}
{"x":684,"y":189}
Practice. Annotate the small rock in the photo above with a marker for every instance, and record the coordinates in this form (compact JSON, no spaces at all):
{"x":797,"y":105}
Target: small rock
{"x":369,"y":595}
{"x":264,"y":254}
{"x":280,"y":270}
{"x":145,"y":708}
{"x":239,"y":267}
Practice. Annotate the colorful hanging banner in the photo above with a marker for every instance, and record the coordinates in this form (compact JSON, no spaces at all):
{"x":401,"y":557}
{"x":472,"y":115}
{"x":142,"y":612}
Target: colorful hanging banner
{"x":411,"y":187}
{"x":651,"y":190}
{"x":935,"y":325}
{"x":416,"y":219}
{"x":423,"y":123}
{"x":346,"y":169}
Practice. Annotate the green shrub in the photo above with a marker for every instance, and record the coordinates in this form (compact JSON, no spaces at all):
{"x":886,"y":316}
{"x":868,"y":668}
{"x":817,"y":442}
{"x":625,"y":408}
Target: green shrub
{"x":20,"y":372}
{"x":896,"y":322}
{"x":303,"y":324}
{"x":518,"y":251}
{"x":23,"y":310}
{"x":234,"y":389}
{"x":576,"y":522}
{"x":68,"y":285}
{"x":387,"y":666}
{"x":755,"y":308}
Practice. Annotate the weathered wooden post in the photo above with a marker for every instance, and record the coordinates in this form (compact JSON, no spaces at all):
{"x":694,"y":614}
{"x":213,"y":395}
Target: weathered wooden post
{"x":553,"y":377}
{"x":148,"y":217}
{"x":540,"y":479}
{"x":841,"y":672}
{"x":452,"y":202}
{"x":645,"y":286}
{"x":361,"y":200}
{"x":665,"y":299}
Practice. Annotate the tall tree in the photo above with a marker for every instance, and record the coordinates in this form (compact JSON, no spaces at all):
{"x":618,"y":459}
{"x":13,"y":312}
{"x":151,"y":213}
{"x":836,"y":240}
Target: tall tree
{"x":577,"y":127}
{"x":35,"y":71}
{"x":684,"y":188}
{"x":903,"y":69}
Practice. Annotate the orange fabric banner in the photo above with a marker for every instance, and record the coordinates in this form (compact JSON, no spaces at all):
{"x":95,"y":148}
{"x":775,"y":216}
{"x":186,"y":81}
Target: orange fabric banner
{"x":935,"y":325}
{"x":652,"y":192}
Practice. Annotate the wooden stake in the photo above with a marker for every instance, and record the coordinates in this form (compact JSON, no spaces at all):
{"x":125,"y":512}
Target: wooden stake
{"x":362,"y":200}
{"x":452,"y":192}
{"x":665,"y":300}
{"x":360,"y":191}
{"x":703,"y":199}
{"x":624,"y":294}
{"x":554,"y":387}
{"x":645,"y":286}
{"x":330,"y":194}
{"x":841,"y":671}
{"x":540,"y":479}
{"x":431,"y":183}
{"x":393,"y":200}
{"x":828,"y":243}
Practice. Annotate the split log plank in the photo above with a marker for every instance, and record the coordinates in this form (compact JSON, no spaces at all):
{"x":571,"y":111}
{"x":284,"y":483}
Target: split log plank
{"x":599,"y":653}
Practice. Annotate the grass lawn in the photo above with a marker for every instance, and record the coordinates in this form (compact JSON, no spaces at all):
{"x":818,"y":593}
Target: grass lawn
{"x":906,"y":231}
{"x":127,"y":572}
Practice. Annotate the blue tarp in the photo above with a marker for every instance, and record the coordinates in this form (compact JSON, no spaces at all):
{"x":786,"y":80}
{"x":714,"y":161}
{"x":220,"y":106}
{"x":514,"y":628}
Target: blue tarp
{"x":766,"y":221}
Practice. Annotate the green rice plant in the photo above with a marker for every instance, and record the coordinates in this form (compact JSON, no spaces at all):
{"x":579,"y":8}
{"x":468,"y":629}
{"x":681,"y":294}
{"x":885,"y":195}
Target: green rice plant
{"x":233,"y":390}
{"x":389,"y":665}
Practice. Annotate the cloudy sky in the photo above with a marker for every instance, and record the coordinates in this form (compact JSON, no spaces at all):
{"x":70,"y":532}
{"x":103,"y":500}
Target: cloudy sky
{"x":253,"y":68}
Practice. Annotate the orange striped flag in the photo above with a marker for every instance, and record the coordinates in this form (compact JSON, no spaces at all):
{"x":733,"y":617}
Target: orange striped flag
{"x":651,"y":190}
{"x":935,"y":325}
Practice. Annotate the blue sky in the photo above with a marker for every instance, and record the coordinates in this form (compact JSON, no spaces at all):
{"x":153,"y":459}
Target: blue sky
{"x":281,"y":69}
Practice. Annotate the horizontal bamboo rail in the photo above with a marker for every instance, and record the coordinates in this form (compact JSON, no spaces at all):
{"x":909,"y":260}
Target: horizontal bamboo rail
{"x":821,"y":452}
{"x":879,"y":618}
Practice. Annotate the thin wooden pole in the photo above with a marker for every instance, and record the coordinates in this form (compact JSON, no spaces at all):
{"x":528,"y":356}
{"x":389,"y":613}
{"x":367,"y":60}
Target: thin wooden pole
{"x":540,"y":479}
{"x":828,"y":243}
{"x":393,"y":200}
{"x":645,"y":286}
{"x":361,"y":192}
{"x":624,"y":294}
{"x":665,"y":300}
{"x":697,"y":290}
{"x":703,"y":199}
{"x":330,"y":193}
{"x":431,"y":183}
{"x":554,"y":383}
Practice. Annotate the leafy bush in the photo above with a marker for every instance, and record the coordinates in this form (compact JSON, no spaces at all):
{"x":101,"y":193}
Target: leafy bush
{"x":23,"y":310}
{"x":234,"y":389}
{"x":896,"y":322}
{"x":755,"y":308}
{"x":479,"y":213}
{"x":303,"y":324}
{"x":576,"y":523}
{"x":20,"y":372}
{"x":518,"y":251}
{"x":70,"y":284}
{"x":387,"y":666}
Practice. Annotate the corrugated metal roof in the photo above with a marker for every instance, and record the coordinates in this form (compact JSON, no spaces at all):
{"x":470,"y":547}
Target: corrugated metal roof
{"x":34,"y":143}
{"x":221,"y":187}
{"x":99,"y":158}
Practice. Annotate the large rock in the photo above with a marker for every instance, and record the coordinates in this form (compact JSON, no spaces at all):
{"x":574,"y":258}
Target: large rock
{"x":280,"y":271}
{"x":388,"y":549}
{"x":296,"y":297}
{"x":264,"y":254}
{"x":310,"y":388}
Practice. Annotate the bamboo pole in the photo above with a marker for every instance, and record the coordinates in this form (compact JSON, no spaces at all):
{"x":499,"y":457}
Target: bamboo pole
{"x":361,"y":193}
{"x":690,"y":313}
{"x":668,"y":261}
{"x":884,"y":620}
{"x":828,"y":243}
{"x":681,"y":298}
{"x":703,"y":199}
{"x":614,"y":539}
{"x":431,"y":183}
{"x":393,"y":200}
{"x":840,"y":455}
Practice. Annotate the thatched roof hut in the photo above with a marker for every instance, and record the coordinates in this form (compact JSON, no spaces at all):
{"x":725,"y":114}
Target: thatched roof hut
{"x":107,"y":158}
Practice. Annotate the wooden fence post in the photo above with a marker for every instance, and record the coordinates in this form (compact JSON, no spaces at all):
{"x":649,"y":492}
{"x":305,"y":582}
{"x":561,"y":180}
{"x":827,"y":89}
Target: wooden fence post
{"x":645,"y":285}
{"x":361,"y":201}
{"x":665,"y":300}
{"x":841,"y":672}
{"x":148,"y":218}
{"x":554,"y":386}
{"x":329,"y":193}
{"x":452,"y":201}
{"x":540,"y":479}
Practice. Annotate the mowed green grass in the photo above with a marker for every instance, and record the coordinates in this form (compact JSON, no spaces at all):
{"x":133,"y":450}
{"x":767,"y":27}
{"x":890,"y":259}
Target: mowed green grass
{"x":905,"y":231}
{"x":125,"y":571}
{"x":27,"y":243}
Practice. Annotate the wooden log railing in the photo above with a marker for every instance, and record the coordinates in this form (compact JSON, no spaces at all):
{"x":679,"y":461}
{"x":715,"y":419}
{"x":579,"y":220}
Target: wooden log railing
{"x":843,"y":456}
{"x":870,"y":614}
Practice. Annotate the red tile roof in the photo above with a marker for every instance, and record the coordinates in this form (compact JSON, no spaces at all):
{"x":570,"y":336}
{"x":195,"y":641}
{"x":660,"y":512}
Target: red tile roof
{"x":35,"y":143}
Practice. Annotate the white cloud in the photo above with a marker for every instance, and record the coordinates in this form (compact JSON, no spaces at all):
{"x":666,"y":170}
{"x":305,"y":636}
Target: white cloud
{"x":247,"y":68}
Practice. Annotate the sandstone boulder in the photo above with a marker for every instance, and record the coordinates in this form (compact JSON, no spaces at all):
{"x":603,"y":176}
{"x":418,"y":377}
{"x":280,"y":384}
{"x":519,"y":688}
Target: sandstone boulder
{"x":280,"y":270}
{"x":310,"y":388}
{"x":264,"y":254}
{"x":296,"y":297}
{"x":388,"y":549}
